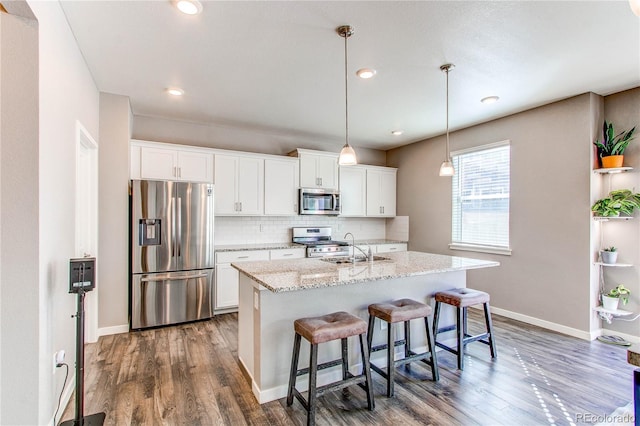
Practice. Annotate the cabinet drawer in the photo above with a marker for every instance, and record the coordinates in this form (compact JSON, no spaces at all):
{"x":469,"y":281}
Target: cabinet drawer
{"x":296,"y":253}
{"x":388,"y":248}
{"x":242,"y":256}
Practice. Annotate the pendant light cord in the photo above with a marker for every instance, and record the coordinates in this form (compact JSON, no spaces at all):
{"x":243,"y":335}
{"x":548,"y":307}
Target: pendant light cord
{"x":448,"y":155}
{"x":346,"y":91}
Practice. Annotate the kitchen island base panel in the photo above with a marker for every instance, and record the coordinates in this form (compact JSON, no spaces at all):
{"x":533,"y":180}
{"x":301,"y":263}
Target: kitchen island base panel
{"x":265,"y":324}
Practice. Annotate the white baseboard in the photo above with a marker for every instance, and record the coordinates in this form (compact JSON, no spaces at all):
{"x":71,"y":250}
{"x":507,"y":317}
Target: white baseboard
{"x":116,"y":329}
{"x":581,"y":334}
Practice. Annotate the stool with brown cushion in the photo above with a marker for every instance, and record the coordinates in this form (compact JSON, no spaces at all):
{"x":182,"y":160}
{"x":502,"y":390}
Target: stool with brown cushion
{"x":403,"y":310}
{"x":316,"y":330}
{"x":462,"y":298}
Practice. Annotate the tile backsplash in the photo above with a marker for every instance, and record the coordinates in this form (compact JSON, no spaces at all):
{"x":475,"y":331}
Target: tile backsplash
{"x":276,"y":229}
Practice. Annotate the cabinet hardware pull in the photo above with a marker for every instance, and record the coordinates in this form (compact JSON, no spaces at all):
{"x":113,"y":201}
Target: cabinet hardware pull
{"x":172,"y":278}
{"x":174,"y":173}
{"x":243,"y":257}
{"x":287,"y":254}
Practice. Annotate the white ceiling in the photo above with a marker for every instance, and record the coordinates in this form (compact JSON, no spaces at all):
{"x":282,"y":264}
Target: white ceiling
{"x":278,"y":66}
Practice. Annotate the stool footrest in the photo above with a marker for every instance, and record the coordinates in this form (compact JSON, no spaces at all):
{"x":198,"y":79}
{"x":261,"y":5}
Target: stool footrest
{"x":476,"y":338}
{"x":384,"y":345}
{"x":445,"y":329}
{"x":351,"y":380}
{"x":322,"y":366}
{"x":446,"y":348}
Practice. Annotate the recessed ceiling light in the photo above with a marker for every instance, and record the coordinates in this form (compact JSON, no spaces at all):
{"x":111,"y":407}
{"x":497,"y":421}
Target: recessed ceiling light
{"x":397,"y":132}
{"x":189,"y":7}
{"x":174,"y":91}
{"x":489,"y":100}
{"x":366,"y":73}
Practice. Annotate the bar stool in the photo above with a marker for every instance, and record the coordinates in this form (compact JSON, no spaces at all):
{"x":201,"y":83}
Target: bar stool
{"x":403,"y":310}
{"x":462,"y":298}
{"x":316,"y":330}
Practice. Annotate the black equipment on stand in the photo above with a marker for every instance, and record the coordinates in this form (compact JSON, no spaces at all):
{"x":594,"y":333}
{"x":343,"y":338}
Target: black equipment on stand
{"x":81,"y":280}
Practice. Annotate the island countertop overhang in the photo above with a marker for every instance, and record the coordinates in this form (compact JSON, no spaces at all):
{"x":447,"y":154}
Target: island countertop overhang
{"x":309,"y":273}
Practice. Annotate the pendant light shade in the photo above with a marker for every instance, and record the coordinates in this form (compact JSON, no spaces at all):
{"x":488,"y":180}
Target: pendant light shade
{"x":635,"y":6}
{"x":347,"y":155}
{"x":446,"y":168}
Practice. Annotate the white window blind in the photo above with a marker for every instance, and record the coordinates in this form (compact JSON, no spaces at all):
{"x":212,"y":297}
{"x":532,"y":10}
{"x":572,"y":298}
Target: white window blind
{"x":480,"y":194}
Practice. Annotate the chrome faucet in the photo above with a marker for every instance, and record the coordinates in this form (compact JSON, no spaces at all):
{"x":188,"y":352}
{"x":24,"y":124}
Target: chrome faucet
{"x":354,"y":247}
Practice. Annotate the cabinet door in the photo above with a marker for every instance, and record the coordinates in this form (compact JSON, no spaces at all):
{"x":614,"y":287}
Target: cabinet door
{"x":227,"y":283}
{"x":308,"y":177}
{"x":158,"y":163}
{"x":225,"y":189}
{"x":388,"y":193}
{"x":327,"y":171}
{"x":280,"y":187}
{"x":251,"y":185}
{"x":353,"y":191}
{"x":195,"y":166}
{"x":374,"y":208}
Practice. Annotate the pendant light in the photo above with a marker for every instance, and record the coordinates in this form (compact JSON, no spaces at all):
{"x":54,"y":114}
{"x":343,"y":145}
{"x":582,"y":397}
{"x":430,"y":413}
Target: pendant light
{"x":635,"y":6}
{"x":446,"y":169}
{"x":347,"y":155}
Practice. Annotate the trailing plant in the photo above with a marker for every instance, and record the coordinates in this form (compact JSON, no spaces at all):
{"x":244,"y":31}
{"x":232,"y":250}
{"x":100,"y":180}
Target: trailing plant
{"x":620,"y":201}
{"x":620,"y":292}
{"x":611,"y":249}
{"x":613,"y":144}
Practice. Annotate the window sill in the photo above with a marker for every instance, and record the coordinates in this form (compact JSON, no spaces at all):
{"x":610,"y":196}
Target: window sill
{"x":480,"y":249}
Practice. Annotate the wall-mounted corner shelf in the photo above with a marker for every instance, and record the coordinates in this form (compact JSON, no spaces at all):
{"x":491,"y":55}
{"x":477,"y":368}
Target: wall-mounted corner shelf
{"x":613,"y":170}
{"x":608,"y":315}
{"x":614,"y":265}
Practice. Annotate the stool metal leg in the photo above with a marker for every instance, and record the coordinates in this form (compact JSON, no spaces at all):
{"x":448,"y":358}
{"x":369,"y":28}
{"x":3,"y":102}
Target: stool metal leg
{"x":487,"y":319}
{"x":370,"y":333}
{"x":390,"y":358}
{"x":407,"y":339}
{"x":294,"y":368}
{"x":345,"y":358}
{"x":313,"y":373}
{"x":432,"y":348}
{"x":367,"y":373}
{"x":460,"y":334}
{"x":436,"y":319}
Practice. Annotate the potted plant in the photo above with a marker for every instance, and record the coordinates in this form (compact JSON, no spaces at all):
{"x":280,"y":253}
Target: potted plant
{"x":609,"y":255}
{"x":612,"y":147}
{"x":620,"y":201}
{"x":614,"y":296}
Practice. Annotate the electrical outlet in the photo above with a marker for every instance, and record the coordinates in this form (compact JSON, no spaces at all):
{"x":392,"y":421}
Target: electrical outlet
{"x":383,"y":325}
{"x":58,"y":359}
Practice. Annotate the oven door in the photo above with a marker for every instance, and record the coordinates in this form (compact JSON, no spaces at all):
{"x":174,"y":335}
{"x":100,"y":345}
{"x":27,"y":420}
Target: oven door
{"x":319,"y":201}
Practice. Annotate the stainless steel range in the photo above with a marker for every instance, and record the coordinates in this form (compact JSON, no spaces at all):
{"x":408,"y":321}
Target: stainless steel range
{"x":319,"y":243}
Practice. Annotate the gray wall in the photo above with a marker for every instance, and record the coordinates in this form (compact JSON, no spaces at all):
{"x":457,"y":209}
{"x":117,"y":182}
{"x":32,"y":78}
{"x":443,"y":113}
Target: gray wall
{"x":20,"y":296}
{"x":623,"y":110}
{"x":113,"y":205}
{"x":240,"y":139}
{"x":547,"y":276}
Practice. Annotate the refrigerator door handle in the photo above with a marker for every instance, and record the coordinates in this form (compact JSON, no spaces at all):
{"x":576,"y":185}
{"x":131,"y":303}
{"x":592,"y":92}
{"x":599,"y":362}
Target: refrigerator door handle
{"x":173,"y":227}
{"x":179,"y":228}
{"x":169,"y":277}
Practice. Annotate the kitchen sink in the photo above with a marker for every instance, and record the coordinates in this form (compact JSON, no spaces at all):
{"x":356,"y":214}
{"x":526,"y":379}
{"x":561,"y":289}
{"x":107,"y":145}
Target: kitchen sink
{"x":341,"y":259}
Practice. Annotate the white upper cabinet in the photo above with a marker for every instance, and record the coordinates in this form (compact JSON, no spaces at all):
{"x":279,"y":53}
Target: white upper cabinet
{"x":381,"y":191}
{"x":150,"y":161}
{"x":281,"y":186}
{"x":353,"y":191}
{"x":239,"y":186}
{"x":318,"y":169}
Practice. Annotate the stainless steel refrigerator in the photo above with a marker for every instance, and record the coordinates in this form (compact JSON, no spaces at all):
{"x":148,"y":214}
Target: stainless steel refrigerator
{"x":172,"y":254}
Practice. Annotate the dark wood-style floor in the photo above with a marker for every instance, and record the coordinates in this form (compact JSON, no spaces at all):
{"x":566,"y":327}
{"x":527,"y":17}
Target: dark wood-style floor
{"x":189,"y":375}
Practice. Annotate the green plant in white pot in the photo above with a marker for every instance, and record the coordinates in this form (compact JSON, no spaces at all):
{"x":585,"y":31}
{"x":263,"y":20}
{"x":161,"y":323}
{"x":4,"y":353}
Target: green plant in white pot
{"x":611,"y":299}
{"x":609,"y":255}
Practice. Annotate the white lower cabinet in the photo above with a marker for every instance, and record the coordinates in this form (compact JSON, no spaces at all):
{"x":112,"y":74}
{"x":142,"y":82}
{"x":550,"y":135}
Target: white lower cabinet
{"x":390,"y":248}
{"x":228,"y":277}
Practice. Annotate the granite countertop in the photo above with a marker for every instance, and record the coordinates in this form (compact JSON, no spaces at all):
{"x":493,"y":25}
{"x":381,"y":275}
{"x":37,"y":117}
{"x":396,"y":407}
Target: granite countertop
{"x":262,"y":246}
{"x":308,"y":273}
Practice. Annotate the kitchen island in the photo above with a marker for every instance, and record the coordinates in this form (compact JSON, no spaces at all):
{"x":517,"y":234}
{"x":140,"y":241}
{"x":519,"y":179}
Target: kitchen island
{"x":275,"y":293}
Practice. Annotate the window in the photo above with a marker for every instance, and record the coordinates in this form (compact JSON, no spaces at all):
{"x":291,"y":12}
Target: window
{"x":480,"y":195}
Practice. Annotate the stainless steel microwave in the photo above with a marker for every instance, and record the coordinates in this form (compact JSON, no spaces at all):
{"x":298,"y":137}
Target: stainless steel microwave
{"x":319,"y":201}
